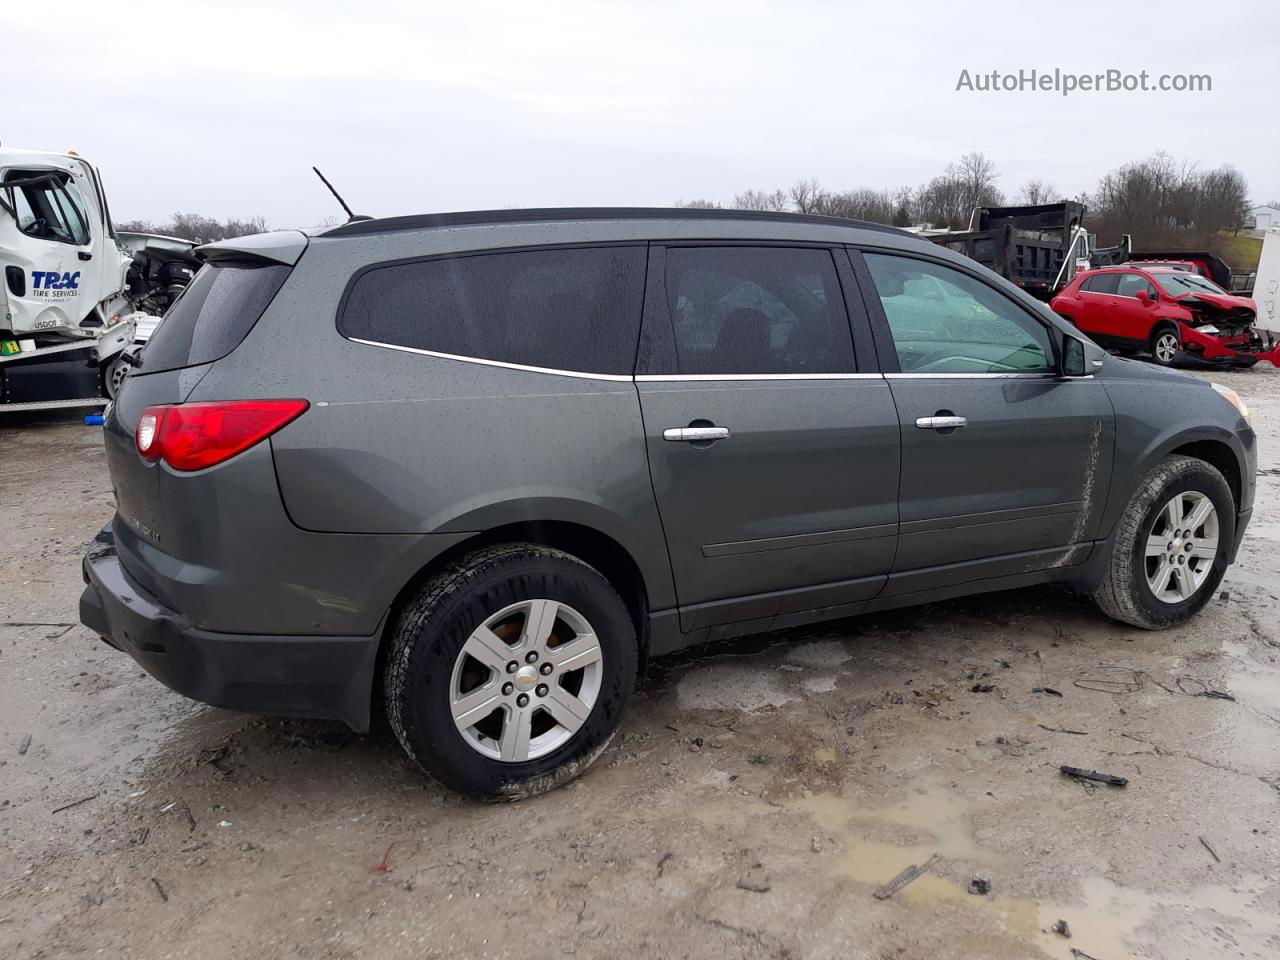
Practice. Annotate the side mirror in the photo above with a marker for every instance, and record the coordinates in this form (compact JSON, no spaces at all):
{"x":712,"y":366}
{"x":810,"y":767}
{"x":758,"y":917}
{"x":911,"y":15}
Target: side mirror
{"x":1144,"y":297}
{"x":1080,"y":358}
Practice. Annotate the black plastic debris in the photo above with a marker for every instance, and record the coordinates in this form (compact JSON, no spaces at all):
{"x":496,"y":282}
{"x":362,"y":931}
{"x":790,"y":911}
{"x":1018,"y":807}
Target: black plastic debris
{"x":1081,"y":774}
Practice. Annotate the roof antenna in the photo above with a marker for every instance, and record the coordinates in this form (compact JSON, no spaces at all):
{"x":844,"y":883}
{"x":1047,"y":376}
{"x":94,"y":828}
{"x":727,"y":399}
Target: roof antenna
{"x":351,"y":217}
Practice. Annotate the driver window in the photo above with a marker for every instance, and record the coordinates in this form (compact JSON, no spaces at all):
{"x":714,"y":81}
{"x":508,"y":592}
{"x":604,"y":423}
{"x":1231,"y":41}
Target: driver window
{"x":757,"y":310}
{"x":944,"y":321}
{"x":1131,"y":283}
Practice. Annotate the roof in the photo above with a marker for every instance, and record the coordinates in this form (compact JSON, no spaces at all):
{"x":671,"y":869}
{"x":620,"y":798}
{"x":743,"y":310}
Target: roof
{"x":550,"y":214}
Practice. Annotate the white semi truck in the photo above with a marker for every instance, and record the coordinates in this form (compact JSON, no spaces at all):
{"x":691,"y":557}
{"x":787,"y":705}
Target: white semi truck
{"x":70,"y":286}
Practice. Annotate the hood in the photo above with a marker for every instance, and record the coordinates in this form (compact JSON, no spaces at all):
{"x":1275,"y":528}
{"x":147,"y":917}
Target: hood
{"x":1122,"y":368}
{"x":1220,"y":300}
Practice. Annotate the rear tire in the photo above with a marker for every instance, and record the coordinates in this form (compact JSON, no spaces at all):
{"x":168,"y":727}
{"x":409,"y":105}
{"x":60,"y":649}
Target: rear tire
{"x":509,"y":671}
{"x":1165,"y":344}
{"x":1161,"y":530}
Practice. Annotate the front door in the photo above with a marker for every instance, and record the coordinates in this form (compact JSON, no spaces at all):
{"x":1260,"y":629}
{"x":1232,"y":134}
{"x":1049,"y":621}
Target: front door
{"x":774,"y":459}
{"x":1005,"y":466}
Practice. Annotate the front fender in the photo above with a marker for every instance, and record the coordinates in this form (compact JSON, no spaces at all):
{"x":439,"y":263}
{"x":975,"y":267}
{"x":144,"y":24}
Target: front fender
{"x":1155,"y":417}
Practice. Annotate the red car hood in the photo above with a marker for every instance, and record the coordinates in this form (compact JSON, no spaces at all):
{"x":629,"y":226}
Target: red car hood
{"x":1220,"y":300}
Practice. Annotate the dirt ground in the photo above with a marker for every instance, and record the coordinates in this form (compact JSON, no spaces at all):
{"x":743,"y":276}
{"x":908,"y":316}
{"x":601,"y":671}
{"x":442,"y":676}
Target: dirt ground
{"x":755,"y":798}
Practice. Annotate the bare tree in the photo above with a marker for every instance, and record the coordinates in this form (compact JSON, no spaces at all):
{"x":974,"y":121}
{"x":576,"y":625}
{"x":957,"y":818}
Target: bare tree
{"x":805,"y":195}
{"x":1036,"y":191}
{"x":1162,"y":201}
{"x":977,"y":175}
{"x":877,"y":206}
{"x":699,"y":204}
{"x":196,"y":227}
{"x":775,"y":200}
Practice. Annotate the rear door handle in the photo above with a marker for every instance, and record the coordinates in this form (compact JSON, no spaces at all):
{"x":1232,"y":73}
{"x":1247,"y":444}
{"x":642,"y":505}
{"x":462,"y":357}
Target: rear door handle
{"x":695,"y":434}
{"x":940,"y":423}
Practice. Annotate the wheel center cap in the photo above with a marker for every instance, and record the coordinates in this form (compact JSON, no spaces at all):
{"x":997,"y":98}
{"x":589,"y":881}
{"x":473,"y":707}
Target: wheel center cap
{"x":526,"y":677}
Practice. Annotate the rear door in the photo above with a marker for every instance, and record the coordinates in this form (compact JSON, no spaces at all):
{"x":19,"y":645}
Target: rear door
{"x":773,"y":454}
{"x":1004,"y":465}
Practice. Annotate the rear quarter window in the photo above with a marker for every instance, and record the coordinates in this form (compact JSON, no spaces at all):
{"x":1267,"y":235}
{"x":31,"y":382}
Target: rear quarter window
{"x":214,"y":313}
{"x":564,"y":309}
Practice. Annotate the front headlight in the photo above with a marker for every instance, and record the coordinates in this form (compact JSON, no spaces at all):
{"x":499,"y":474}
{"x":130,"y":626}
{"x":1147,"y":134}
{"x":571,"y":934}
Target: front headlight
{"x":1208,"y":328}
{"x":1232,"y":398}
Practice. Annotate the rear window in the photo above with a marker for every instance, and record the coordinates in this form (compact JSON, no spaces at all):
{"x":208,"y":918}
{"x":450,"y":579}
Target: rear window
{"x":213,"y":314}
{"x":565,"y":309}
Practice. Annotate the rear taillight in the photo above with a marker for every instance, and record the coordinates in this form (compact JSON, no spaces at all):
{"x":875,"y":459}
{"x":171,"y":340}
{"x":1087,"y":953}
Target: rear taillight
{"x":192,"y":436}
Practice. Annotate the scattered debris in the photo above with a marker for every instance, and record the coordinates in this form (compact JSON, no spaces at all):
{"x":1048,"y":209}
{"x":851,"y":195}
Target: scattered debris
{"x":24,"y":744}
{"x":759,"y":759}
{"x":1225,"y":595}
{"x":1212,"y":852}
{"x":1081,"y":955}
{"x":1218,"y":695}
{"x":815,"y":844}
{"x":979,"y":886}
{"x":384,"y":865}
{"x":1062,"y":929}
{"x":755,"y":880}
{"x":907,"y":876}
{"x":214,"y":756}
{"x":982,"y":688}
{"x":160,"y":890}
{"x":1078,"y":733}
{"x":1049,"y":690}
{"x":1004,"y":664}
{"x":662,"y":862}
{"x":74,"y":803}
{"x":1082,"y":774}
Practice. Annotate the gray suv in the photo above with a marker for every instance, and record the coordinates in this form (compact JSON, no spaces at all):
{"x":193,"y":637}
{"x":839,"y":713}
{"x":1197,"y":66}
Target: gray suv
{"x":489,"y":463}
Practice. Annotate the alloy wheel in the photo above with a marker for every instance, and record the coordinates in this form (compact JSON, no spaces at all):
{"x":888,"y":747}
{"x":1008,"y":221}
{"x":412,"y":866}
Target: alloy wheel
{"x":1181,"y":547}
{"x":1166,"y":347}
{"x":526,"y":680}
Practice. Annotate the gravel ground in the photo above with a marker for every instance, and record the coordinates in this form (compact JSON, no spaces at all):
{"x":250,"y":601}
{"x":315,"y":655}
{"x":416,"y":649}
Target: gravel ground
{"x":756,"y":796}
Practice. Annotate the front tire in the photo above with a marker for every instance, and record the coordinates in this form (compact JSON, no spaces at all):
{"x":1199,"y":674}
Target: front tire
{"x":1165,"y":344}
{"x":1170,"y":549}
{"x":509,"y":671}
{"x":113,"y":375}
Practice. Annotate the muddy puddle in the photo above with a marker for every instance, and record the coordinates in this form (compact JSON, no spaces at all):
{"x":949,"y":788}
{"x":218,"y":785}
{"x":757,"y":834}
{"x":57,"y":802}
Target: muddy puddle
{"x":1109,"y":923}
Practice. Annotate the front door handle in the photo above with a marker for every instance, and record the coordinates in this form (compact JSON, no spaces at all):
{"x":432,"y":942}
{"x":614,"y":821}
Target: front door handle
{"x":940,"y":423}
{"x":695,"y":434}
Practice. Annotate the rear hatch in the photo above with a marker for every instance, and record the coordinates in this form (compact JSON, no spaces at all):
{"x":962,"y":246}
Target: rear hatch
{"x":204,"y":326}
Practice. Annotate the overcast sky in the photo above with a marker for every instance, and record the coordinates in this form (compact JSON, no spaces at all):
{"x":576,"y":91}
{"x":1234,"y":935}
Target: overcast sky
{"x":220,"y":108}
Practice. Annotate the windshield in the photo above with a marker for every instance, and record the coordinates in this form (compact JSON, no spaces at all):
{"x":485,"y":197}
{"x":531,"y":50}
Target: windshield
{"x":1176,"y":284}
{"x":47,"y":205}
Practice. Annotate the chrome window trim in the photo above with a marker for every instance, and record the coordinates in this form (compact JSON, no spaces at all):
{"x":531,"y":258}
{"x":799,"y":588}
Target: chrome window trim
{"x":523,"y":368}
{"x":696,"y":377}
{"x":970,"y":376}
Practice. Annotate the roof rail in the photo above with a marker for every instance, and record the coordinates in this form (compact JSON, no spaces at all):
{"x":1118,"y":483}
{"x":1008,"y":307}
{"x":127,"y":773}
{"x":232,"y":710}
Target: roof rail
{"x":535,"y":215}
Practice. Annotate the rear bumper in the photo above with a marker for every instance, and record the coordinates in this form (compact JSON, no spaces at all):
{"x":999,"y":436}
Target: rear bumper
{"x":306,"y":676}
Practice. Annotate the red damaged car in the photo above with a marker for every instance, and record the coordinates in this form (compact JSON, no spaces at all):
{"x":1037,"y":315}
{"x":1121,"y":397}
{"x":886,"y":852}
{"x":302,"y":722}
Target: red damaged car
{"x":1173,"y":314}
